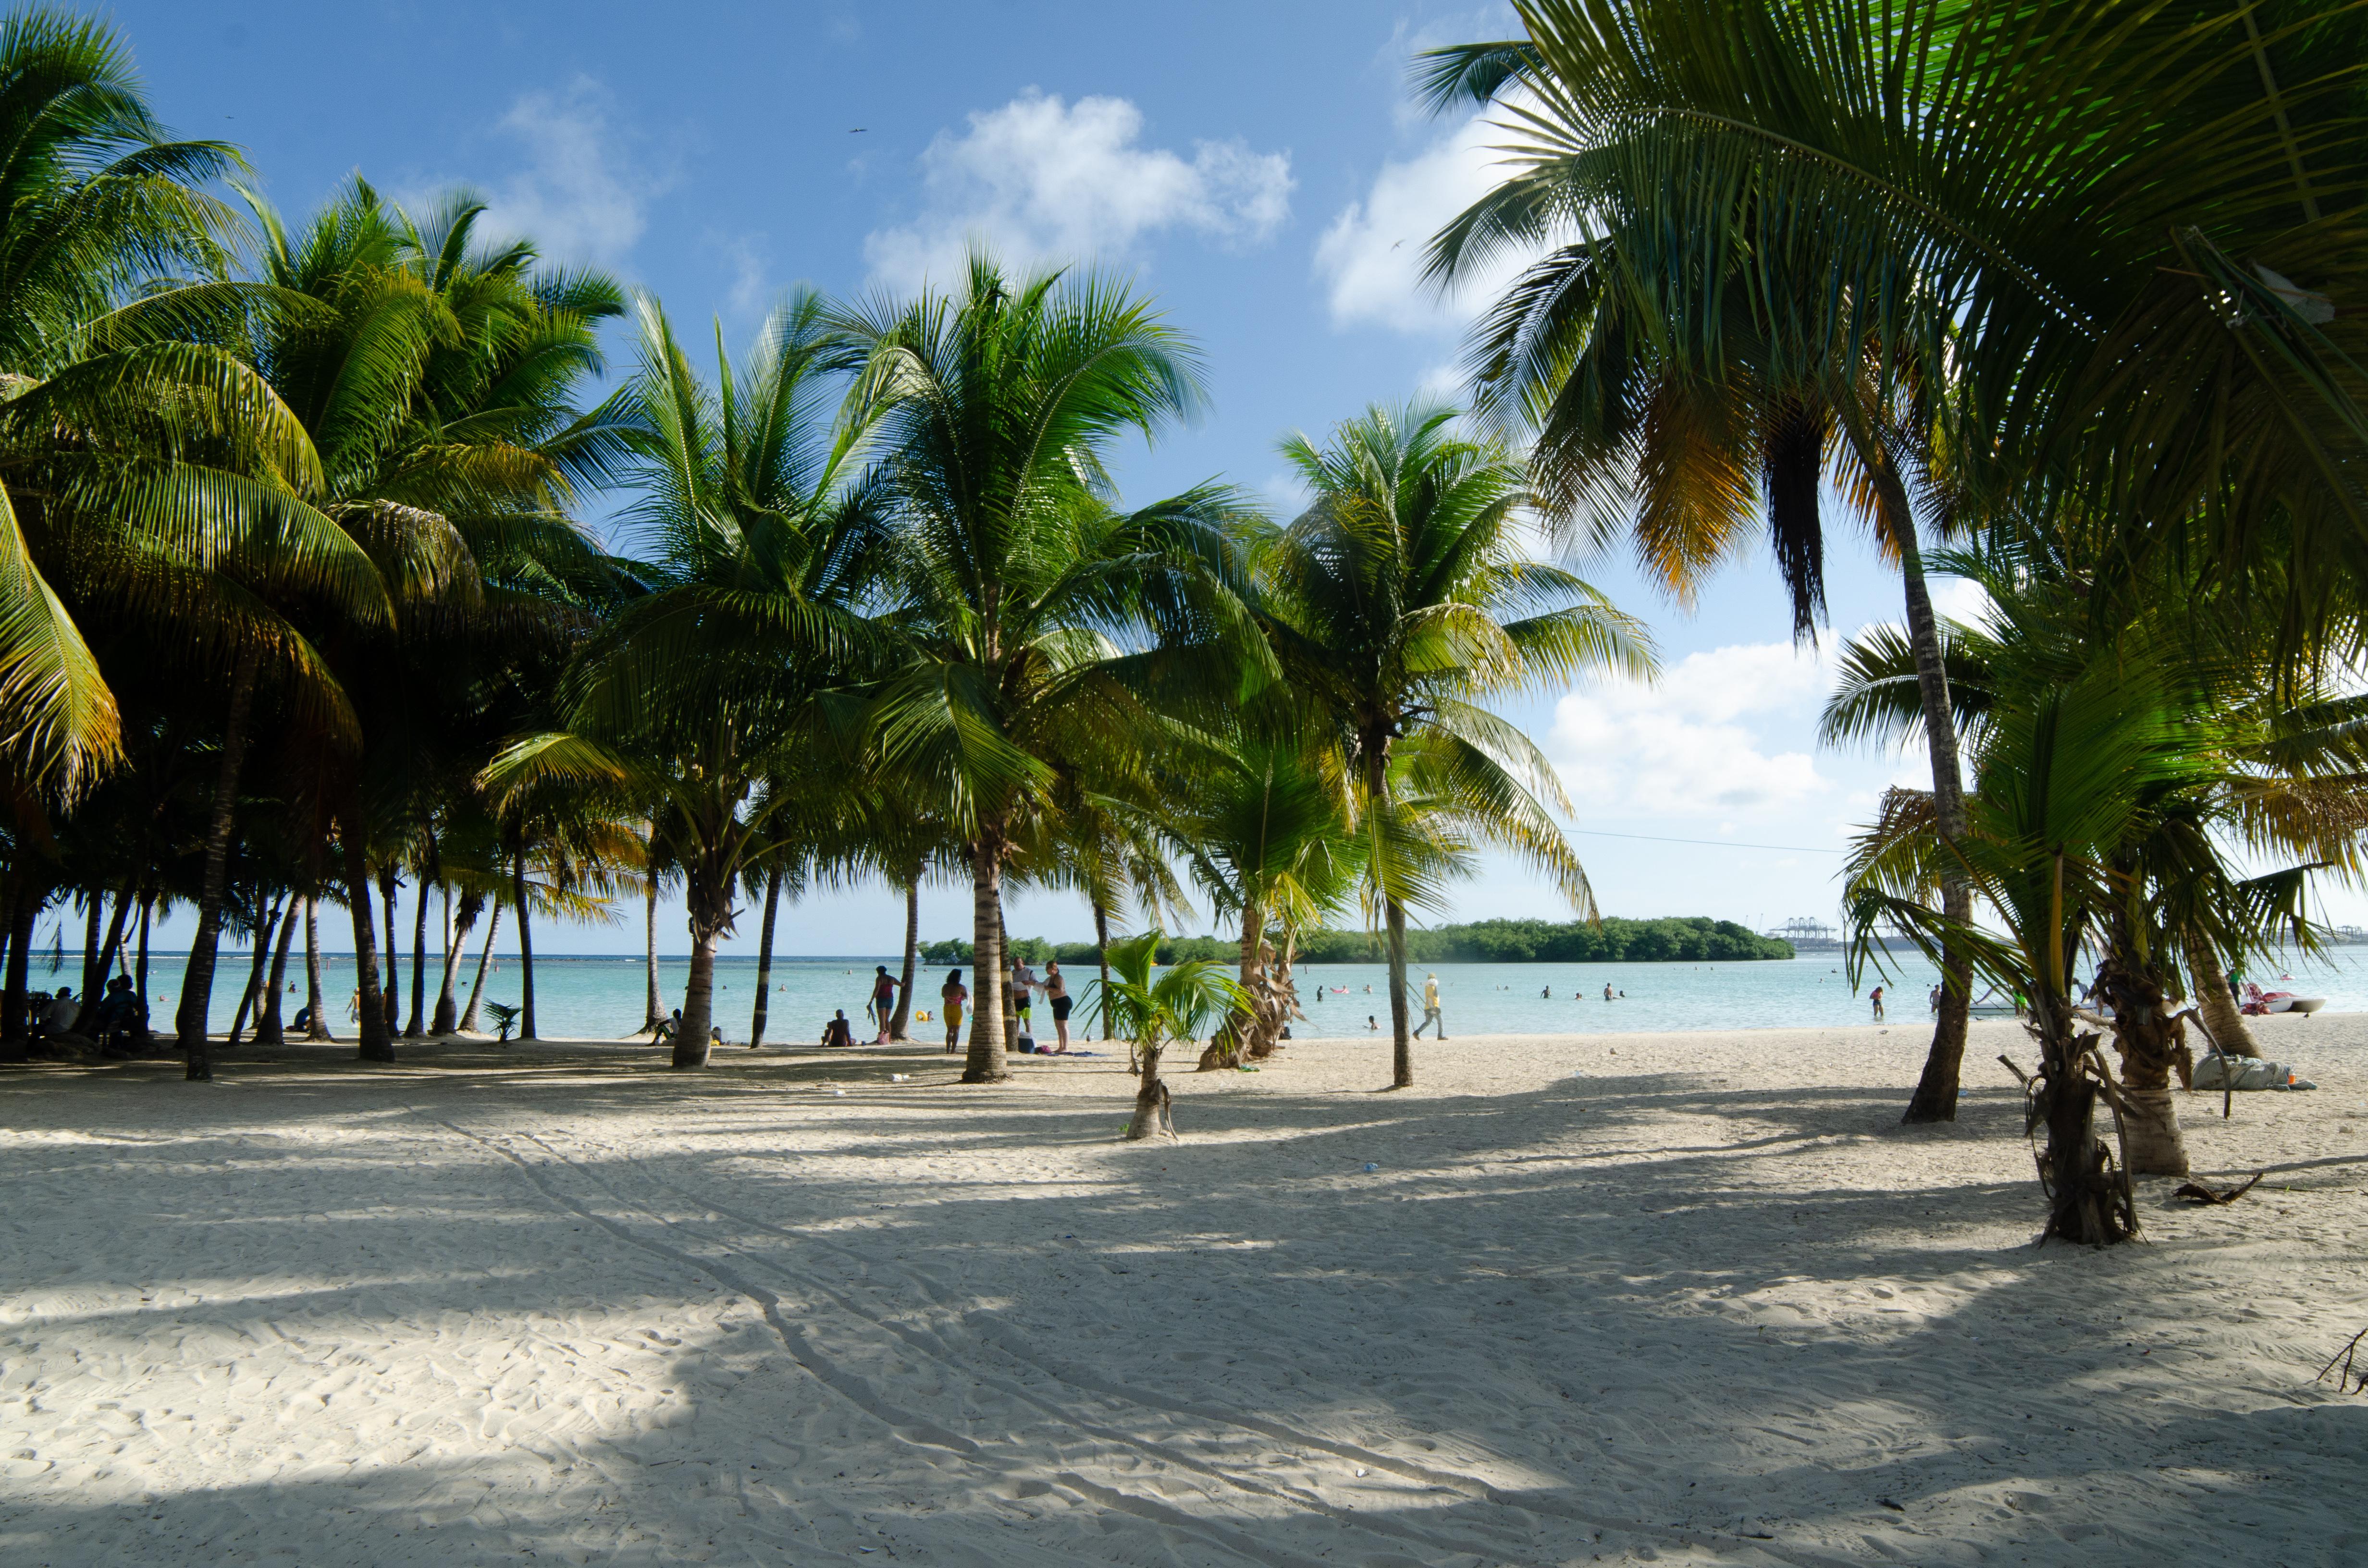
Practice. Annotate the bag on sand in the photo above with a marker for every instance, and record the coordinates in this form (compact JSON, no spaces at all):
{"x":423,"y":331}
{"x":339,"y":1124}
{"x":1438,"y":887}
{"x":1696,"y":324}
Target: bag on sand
{"x":2247,"y":1072}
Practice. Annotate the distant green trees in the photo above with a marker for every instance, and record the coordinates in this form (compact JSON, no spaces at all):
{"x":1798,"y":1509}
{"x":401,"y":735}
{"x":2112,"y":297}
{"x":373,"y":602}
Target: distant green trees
{"x":1670,"y":939}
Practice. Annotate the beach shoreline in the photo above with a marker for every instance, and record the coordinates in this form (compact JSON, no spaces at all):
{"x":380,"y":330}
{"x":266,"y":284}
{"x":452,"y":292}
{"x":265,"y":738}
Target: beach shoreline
{"x":1685,"y":1297}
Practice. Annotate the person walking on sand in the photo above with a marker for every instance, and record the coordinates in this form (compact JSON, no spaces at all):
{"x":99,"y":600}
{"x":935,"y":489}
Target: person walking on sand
{"x":1877,"y":997}
{"x":882,"y":1006}
{"x":1056,"y":991}
{"x":1430,"y":1008}
{"x":953,"y":994}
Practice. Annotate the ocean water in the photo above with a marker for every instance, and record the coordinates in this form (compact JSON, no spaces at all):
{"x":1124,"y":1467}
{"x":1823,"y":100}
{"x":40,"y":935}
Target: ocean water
{"x":602,"y":998}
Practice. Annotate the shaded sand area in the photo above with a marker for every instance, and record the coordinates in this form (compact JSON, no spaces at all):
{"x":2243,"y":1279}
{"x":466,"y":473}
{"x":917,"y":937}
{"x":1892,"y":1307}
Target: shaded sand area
{"x":1704,"y":1303}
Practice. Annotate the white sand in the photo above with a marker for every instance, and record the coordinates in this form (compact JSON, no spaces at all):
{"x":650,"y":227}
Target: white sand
{"x":1707,"y":1302}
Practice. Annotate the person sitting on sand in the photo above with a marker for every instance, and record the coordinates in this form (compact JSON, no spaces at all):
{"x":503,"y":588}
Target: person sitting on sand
{"x":668,"y":1028}
{"x":57,"y":1014}
{"x":953,"y":994}
{"x":836,"y":1033}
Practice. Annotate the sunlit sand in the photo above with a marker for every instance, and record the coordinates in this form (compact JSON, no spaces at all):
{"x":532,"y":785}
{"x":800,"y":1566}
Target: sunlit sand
{"x":1686,"y":1297}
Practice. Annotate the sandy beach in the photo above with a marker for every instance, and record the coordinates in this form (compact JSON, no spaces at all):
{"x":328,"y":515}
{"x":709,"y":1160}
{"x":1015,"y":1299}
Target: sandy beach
{"x":1675,"y":1297}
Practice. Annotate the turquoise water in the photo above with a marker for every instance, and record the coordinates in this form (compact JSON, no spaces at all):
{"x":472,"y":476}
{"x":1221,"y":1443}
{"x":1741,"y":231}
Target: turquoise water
{"x":602,"y":998}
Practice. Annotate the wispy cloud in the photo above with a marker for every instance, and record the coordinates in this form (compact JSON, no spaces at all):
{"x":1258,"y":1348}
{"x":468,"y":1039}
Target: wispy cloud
{"x":1041,"y":179}
{"x":1699,"y":745}
{"x":1371,"y":259}
{"x":581,"y":196}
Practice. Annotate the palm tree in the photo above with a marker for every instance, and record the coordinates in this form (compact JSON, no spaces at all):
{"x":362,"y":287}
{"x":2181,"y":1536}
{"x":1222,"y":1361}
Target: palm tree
{"x":1935,"y":244}
{"x":1267,"y":832}
{"x":1155,"y":1012}
{"x":1036,"y":622}
{"x":766,"y":543}
{"x":1396,"y":605}
{"x":435,"y":380}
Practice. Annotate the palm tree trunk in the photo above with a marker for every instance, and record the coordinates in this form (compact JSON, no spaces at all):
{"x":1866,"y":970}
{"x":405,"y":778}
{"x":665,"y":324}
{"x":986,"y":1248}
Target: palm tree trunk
{"x":525,"y":948}
{"x":477,"y":991}
{"x":707,"y":893}
{"x":139,"y":983}
{"x":386,"y":885}
{"x":904,"y":1014}
{"x":765,"y":957}
{"x":377,"y":1040}
{"x":1101,"y":957}
{"x":198,"y":979}
{"x":267,"y":918}
{"x":445,"y":1007}
{"x":1935,"y":1098}
{"x":1151,"y":1118}
{"x":114,"y":944}
{"x":652,"y":1011}
{"x":269,"y":1027}
{"x":24,"y":908}
{"x":1401,"y":1043}
{"x":2221,"y":1019}
{"x":416,"y":1024}
{"x":315,"y":1025}
{"x":94,"y":973}
{"x":987,"y":1063}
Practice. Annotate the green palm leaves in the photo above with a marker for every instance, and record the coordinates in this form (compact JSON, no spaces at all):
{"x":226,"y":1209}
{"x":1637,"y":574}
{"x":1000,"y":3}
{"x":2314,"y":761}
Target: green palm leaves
{"x":1398,"y":603}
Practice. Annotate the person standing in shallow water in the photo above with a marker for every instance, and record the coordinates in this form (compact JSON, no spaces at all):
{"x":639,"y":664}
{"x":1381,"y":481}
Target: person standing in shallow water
{"x":1877,"y":997}
{"x":953,"y":994}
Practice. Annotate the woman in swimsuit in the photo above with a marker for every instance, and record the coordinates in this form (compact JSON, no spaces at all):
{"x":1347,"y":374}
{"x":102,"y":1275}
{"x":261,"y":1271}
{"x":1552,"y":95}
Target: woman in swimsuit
{"x":1056,"y":991}
{"x":955,"y":994}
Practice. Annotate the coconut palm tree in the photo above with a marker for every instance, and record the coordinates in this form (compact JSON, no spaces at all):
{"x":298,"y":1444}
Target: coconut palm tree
{"x":1037,"y":623}
{"x":765,"y":544}
{"x":1397,"y":604}
{"x":1154,"y":1011}
{"x":1936,"y":244}
{"x":2228,"y":757}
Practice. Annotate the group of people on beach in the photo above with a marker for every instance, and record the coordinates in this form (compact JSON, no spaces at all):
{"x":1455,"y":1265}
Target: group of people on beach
{"x":953,"y":998}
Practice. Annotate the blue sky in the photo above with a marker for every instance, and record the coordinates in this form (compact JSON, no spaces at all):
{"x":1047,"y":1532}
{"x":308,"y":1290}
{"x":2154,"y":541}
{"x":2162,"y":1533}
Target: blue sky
{"x":1259,"y":168}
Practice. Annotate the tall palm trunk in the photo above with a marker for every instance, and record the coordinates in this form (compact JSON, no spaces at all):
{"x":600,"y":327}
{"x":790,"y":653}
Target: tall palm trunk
{"x":987,"y":1063}
{"x":1101,"y":958}
{"x":316,"y":1025}
{"x":2212,"y":999}
{"x":113,"y":945}
{"x":94,"y":971}
{"x":386,"y":886}
{"x":2089,"y":1203}
{"x":269,"y":1028}
{"x":1935,"y":1098}
{"x":1401,"y":1042}
{"x":904,"y":1014}
{"x":652,"y":1009}
{"x":707,"y":894}
{"x":267,"y":918}
{"x":416,"y":1024}
{"x":377,"y":1043}
{"x":477,"y":989}
{"x":139,"y":983}
{"x":765,"y":957}
{"x":525,"y":948}
{"x":24,"y":908}
{"x":446,"y":1007}
{"x":198,"y":979}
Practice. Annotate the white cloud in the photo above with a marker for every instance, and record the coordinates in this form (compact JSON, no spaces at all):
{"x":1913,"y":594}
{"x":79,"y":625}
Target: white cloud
{"x":1371,"y":258}
{"x":1044,"y":180}
{"x":580,"y":198}
{"x":751,"y":281}
{"x":1692,"y":745}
